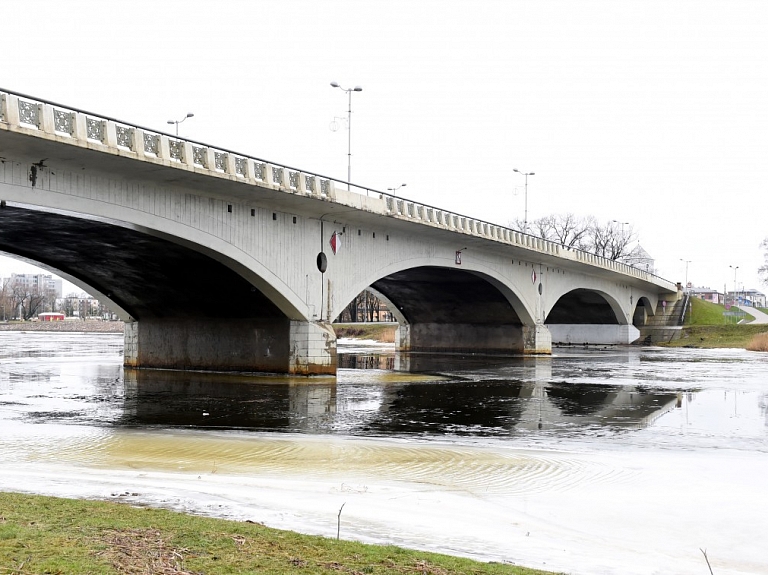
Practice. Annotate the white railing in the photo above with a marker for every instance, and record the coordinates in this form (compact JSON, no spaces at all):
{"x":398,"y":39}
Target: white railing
{"x":66,"y":124}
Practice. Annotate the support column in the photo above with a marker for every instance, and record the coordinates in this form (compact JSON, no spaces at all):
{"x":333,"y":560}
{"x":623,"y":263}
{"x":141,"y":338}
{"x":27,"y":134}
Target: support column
{"x":244,"y":345}
{"x":537,"y":340}
{"x":459,"y":337}
{"x":313,"y":348}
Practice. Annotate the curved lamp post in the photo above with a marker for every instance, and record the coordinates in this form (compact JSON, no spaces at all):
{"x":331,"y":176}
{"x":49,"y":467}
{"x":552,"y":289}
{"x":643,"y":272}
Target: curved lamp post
{"x":394,"y":190}
{"x":177,"y":122}
{"x":349,"y":127}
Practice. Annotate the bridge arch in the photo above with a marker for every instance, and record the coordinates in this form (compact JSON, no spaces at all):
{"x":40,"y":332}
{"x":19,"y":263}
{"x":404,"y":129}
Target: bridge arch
{"x":483,"y":277}
{"x":643,"y":310}
{"x":586,"y":306}
{"x":445,"y":308}
{"x":589,"y":316}
{"x":66,"y":242}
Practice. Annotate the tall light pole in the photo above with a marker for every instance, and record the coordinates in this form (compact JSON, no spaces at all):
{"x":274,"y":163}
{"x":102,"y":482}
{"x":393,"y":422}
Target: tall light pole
{"x":177,"y":122}
{"x":349,"y":127}
{"x":394,"y":190}
{"x":622,"y":224}
{"x":734,"y":268}
{"x":526,"y":174}
{"x":686,"y":271}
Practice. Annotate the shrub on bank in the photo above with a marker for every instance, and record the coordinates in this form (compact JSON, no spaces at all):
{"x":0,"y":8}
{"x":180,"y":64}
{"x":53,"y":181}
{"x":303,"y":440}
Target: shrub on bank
{"x":759,"y":342}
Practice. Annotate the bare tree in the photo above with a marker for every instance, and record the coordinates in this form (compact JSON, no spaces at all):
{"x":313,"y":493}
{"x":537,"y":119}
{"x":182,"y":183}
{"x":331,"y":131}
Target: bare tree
{"x":610,"y":240}
{"x":28,"y":301}
{"x":571,"y":231}
{"x":6,"y":302}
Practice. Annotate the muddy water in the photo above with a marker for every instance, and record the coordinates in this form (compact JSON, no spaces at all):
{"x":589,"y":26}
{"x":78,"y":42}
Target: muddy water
{"x":600,"y":461}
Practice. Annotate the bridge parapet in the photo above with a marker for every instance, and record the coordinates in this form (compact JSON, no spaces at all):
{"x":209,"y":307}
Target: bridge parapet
{"x":65,"y":124}
{"x":68,"y":125}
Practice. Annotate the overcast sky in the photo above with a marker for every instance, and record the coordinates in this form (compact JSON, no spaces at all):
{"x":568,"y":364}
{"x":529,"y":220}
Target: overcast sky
{"x":652,"y":113}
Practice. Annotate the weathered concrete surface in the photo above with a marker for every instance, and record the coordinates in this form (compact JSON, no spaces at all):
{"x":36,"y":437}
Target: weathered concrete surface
{"x":593,"y":334}
{"x":247,"y":345}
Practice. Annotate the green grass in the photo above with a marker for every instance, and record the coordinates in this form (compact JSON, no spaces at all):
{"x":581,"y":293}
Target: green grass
{"x":712,"y":336}
{"x":706,"y":327}
{"x":51,"y":535}
{"x":708,"y":313}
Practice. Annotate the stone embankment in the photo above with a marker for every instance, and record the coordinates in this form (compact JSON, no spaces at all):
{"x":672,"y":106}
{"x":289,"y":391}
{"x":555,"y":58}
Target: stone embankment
{"x":85,"y":326}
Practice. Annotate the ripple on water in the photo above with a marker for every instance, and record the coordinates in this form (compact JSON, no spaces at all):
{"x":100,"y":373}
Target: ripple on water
{"x":452,"y":467}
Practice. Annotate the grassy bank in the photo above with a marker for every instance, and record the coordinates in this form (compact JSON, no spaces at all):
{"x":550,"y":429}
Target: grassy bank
{"x":707,"y":327}
{"x":384,"y":332}
{"x":50,"y":535}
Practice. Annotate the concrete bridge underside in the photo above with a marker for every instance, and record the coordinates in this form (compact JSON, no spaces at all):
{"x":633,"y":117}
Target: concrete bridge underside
{"x":188,"y":310}
{"x":446,"y":309}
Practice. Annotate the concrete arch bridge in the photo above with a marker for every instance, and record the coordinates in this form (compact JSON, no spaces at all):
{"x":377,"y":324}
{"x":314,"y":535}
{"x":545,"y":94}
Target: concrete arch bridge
{"x":221,"y":261}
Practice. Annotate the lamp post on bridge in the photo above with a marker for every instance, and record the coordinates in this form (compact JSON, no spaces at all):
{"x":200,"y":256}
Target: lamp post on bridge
{"x":394,"y":190}
{"x":526,"y":174}
{"x":622,"y":224}
{"x":177,"y":122}
{"x":349,"y":127}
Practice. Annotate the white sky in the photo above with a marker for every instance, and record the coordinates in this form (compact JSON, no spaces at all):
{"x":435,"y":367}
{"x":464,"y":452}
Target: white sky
{"x":650,"y":112}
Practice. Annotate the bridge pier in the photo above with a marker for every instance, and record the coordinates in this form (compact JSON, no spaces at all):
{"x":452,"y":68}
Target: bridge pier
{"x":537,"y":340}
{"x":243,"y":345}
{"x":473,"y":338}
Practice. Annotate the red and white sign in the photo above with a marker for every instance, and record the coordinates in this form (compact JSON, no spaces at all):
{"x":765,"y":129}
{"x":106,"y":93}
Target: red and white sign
{"x":458,"y":257}
{"x":533,"y":276}
{"x":335,"y":243}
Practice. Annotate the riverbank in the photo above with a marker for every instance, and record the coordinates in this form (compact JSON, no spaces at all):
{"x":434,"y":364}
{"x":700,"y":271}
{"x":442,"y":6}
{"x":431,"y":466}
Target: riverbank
{"x":51,"y":535}
{"x":78,"y":326}
{"x":734,"y":336}
{"x":383,"y":332}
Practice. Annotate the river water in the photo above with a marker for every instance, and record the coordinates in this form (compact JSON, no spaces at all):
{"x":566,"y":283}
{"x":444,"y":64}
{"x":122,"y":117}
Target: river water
{"x":627,"y":460}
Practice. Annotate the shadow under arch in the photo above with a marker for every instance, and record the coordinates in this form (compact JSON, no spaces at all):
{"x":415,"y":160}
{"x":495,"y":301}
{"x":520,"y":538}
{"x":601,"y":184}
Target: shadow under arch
{"x":137,"y":271}
{"x":447,"y":309}
{"x":585,"y":306}
{"x":586,"y":316}
{"x":643,"y":310}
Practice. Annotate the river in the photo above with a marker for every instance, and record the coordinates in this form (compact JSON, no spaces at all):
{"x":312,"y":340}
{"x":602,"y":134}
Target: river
{"x":612,"y":461}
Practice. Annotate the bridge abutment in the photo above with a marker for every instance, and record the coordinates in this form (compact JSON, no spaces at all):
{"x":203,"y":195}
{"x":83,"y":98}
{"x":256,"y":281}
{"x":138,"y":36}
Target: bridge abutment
{"x":472,"y":338}
{"x":246,"y":345}
{"x":597,"y":334}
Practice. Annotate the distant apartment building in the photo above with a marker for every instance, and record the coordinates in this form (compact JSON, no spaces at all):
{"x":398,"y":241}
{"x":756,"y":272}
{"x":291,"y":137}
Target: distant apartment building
{"x":84,"y":307}
{"x":35,"y":283}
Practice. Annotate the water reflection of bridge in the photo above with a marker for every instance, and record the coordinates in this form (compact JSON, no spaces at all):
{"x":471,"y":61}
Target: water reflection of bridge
{"x":383,"y":404}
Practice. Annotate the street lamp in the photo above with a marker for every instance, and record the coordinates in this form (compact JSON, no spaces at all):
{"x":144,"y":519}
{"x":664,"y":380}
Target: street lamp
{"x":526,"y":174}
{"x":177,"y":122}
{"x":686,"y":272}
{"x":349,"y":127}
{"x":622,"y":224}
{"x":734,"y":268}
{"x":394,"y":190}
